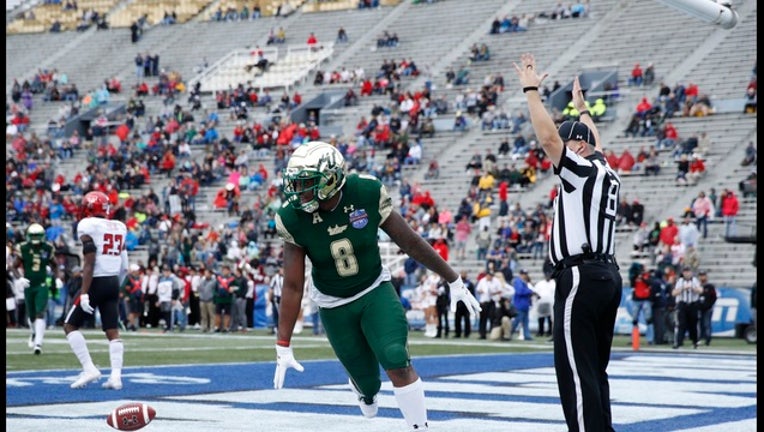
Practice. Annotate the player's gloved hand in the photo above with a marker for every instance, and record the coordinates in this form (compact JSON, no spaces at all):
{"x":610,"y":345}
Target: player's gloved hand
{"x":284,"y":360}
{"x":85,"y":303}
{"x":21,"y":283}
{"x":459,"y":293}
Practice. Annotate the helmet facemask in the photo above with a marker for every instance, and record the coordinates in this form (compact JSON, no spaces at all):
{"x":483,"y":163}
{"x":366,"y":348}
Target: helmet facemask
{"x":313,"y":176}
{"x":35,"y":233}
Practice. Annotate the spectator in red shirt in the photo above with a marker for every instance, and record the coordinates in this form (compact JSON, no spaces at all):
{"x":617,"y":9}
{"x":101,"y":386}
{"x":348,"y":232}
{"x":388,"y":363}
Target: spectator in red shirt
{"x":625,"y":162}
{"x":643,"y":107}
{"x":669,"y":232}
{"x":168,"y":163}
{"x":441,"y":247}
{"x":697,"y":168}
{"x":670,"y":136}
{"x":611,"y":157}
{"x":312,"y":41}
{"x":142,"y":89}
{"x":367,"y":87}
{"x":691,"y":92}
{"x":122,"y":132}
{"x":730,"y":208}
{"x":296,"y":99}
{"x":636,"y":76}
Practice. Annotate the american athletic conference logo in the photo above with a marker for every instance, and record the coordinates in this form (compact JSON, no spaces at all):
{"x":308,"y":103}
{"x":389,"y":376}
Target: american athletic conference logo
{"x":359,"y":219}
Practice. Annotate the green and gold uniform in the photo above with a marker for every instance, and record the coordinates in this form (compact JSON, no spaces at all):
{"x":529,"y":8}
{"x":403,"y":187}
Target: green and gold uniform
{"x":342,"y":244}
{"x":35,"y":258}
{"x":359,"y":308}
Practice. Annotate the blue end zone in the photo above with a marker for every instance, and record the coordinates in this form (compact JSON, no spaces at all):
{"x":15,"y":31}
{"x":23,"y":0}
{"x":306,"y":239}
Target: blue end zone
{"x":652,"y":392}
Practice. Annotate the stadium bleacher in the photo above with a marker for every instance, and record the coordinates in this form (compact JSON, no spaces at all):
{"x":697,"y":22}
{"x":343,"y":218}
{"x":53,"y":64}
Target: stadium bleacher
{"x":616,"y":34}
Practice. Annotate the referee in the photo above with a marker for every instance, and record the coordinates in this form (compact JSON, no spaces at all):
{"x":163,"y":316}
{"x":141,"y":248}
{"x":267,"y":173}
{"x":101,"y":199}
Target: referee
{"x":581,"y":248}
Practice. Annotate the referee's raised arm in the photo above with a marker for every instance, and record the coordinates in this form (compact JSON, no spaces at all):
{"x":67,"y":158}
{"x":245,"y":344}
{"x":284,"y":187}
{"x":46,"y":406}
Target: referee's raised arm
{"x":543,"y":125}
{"x":585,"y":116}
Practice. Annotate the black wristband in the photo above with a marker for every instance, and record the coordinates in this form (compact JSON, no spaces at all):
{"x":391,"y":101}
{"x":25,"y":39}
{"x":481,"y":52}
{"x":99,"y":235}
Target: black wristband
{"x":585,"y":112}
{"x":530,"y":88}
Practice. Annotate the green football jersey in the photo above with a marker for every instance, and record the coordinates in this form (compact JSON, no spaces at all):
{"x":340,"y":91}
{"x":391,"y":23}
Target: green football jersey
{"x":342,"y":244}
{"x":35,"y":259}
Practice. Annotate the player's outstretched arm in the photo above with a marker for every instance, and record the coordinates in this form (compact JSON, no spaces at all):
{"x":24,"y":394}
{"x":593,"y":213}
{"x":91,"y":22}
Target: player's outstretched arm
{"x":416,"y":247}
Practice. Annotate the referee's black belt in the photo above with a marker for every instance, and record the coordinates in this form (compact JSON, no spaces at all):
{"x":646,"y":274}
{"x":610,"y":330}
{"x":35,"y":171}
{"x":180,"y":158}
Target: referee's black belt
{"x":576,"y":260}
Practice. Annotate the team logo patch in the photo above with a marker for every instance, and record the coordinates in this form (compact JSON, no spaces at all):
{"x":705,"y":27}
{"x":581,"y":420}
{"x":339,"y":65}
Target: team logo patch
{"x":359,"y":219}
{"x":337,"y":229}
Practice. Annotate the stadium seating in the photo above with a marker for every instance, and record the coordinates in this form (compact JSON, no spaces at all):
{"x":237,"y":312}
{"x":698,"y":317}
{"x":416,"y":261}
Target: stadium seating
{"x":617,"y":34}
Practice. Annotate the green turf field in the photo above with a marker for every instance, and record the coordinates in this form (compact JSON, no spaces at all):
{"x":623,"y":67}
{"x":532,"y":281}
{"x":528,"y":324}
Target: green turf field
{"x":149,"y":347}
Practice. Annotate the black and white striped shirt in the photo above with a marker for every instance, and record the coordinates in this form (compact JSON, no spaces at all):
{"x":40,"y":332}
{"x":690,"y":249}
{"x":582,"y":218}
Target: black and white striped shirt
{"x":277,"y":282}
{"x":585,"y":206}
{"x":686,"y":293}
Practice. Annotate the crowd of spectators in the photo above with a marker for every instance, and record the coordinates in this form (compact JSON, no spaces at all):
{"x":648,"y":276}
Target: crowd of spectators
{"x":140,"y":149}
{"x":231,"y":14}
{"x":511,"y":24}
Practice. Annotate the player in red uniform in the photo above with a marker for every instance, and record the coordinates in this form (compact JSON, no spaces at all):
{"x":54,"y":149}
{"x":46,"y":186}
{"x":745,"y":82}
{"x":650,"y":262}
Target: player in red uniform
{"x":105,"y":268}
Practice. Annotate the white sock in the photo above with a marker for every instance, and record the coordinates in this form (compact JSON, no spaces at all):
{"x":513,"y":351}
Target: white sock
{"x":39,"y":330}
{"x":411,"y":403}
{"x":80,"y":348}
{"x":116,"y":351}
{"x":31,"y":326}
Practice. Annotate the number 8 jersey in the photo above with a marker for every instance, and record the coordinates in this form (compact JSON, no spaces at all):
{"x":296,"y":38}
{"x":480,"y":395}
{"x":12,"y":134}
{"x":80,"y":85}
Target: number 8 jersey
{"x":342,"y":244}
{"x":109,"y":238}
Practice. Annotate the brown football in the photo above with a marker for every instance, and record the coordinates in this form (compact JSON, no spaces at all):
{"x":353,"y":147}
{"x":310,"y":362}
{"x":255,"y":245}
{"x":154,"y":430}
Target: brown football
{"x":131,"y":416}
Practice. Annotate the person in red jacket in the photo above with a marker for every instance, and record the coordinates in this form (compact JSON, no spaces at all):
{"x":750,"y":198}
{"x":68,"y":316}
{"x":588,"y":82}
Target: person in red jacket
{"x":441,"y":247}
{"x":691,"y":92}
{"x":669,"y":232}
{"x":312,"y":41}
{"x":730,"y":208}
{"x":643,"y":107}
{"x":625,"y":162}
{"x":636,"y":75}
{"x":670,"y":136}
{"x":367,"y":87}
{"x":697,"y":167}
{"x":168,"y":163}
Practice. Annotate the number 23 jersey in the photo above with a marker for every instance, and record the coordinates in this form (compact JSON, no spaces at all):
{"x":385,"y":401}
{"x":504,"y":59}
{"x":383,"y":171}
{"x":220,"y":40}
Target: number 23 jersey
{"x":342,"y":244}
{"x":109,"y":238}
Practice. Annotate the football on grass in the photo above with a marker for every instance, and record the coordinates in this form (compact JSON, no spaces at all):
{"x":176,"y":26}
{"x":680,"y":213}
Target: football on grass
{"x":131,"y":416}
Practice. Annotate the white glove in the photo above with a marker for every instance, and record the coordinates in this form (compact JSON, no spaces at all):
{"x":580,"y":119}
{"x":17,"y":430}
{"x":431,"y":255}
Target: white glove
{"x":21,"y":283}
{"x":459,"y":293}
{"x":284,"y":360}
{"x":85,"y":303}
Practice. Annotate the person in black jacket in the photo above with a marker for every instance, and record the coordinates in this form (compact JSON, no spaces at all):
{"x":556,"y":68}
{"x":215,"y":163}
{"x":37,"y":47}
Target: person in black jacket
{"x":707,"y":301}
{"x":442,"y":303}
{"x":462,"y":318}
{"x":659,"y":303}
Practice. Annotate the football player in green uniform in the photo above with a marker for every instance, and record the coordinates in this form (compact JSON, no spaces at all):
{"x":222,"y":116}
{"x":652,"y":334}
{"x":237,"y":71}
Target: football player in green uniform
{"x":33,"y":256}
{"x":333,"y":219}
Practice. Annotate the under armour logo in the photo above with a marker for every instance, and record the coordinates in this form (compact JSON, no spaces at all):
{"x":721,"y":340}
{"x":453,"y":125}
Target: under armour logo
{"x":349,"y":208}
{"x":316,"y":218}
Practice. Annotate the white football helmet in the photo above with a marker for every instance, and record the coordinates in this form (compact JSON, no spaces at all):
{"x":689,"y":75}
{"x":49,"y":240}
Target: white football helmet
{"x":315,"y":172}
{"x":35,"y":233}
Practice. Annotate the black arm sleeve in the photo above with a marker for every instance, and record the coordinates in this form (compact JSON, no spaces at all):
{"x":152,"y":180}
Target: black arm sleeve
{"x":88,"y":247}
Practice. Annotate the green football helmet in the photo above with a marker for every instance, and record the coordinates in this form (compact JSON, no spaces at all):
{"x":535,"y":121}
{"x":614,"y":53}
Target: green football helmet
{"x":35,"y":233}
{"x":315,"y":172}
